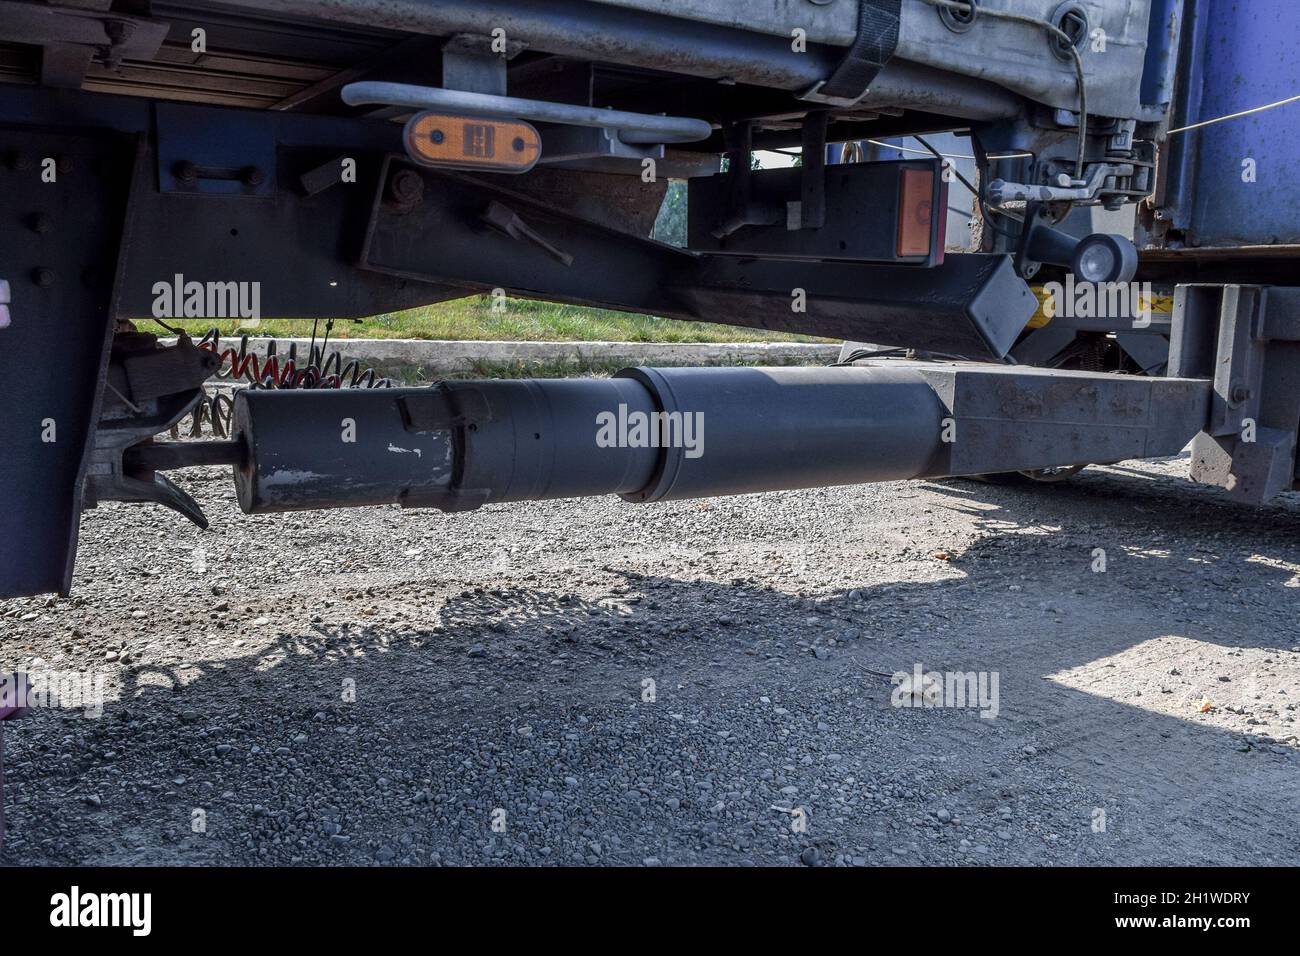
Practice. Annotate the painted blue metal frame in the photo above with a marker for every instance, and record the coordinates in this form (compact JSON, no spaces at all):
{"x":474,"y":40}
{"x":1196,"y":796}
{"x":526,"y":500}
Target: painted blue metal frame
{"x":1233,"y":183}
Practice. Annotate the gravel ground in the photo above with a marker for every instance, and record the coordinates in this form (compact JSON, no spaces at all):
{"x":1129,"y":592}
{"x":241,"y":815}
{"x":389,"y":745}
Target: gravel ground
{"x":414,"y":688}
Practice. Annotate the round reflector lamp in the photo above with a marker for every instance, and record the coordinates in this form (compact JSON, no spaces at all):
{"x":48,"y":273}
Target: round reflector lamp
{"x":1102,"y":257}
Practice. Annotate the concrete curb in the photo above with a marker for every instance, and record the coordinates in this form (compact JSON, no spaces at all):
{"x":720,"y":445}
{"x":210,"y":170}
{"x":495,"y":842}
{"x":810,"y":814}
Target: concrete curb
{"x":405,"y":357}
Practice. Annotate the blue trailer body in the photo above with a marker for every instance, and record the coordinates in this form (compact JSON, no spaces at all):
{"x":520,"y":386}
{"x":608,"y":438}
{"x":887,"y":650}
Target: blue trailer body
{"x":1232,"y":184}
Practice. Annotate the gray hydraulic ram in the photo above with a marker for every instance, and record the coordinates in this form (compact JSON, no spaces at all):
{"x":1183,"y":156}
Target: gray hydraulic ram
{"x":660,"y":434}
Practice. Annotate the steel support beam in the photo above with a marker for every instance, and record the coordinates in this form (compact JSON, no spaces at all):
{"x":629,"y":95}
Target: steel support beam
{"x":661,"y":434}
{"x":58,"y":252}
{"x":589,"y":31}
{"x":1248,"y":339}
{"x":971,"y":305}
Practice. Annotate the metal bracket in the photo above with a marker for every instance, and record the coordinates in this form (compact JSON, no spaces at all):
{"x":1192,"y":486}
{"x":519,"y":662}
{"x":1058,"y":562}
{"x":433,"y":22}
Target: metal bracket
{"x":1253,"y":335}
{"x":600,"y":150}
{"x":972,"y":305}
{"x":109,"y":478}
{"x":154,"y":372}
{"x":844,"y":212}
{"x":194,"y":156}
{"x":439,"y":409}
{"x":812,"y":200}
{"x":631,"y":127}
{"x":506,"y":221}
{"x":113,"y":37}
{"x":469,"y":63}
{"x":1000,"y":192}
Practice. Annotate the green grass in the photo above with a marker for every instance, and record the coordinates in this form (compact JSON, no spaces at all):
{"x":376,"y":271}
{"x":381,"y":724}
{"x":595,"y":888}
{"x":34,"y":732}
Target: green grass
{"x":520,"y":321}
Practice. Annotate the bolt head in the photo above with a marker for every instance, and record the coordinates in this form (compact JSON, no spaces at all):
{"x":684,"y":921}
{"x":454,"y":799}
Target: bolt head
{"x":406,"y":186}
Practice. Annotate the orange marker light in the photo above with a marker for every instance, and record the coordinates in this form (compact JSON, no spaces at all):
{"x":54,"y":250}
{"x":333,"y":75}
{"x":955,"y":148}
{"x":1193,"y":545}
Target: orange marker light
{"x":915,"y":212}
{"x":466,"y":142}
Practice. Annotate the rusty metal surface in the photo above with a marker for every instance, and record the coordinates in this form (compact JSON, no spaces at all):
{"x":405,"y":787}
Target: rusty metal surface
{"x":617,"y":201}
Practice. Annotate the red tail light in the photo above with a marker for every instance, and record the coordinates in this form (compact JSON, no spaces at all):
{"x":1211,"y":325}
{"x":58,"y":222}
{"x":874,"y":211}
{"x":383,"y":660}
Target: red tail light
{"x":916,"y":212}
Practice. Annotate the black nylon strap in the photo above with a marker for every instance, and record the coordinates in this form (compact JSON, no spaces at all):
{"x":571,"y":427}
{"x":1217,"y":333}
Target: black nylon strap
{"x":876,"y":42}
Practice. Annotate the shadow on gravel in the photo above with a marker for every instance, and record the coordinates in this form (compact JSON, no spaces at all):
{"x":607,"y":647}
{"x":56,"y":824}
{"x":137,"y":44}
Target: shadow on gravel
{"x":333,"y":730}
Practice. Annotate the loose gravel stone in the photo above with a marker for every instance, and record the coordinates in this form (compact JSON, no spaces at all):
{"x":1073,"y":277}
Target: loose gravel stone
{"x":687,"y":683}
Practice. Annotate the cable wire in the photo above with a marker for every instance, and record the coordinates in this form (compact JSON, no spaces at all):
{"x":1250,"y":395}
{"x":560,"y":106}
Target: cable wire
{"x":1233,"y":116}
{"x":922,"y":152}
{"x":962,"y":7}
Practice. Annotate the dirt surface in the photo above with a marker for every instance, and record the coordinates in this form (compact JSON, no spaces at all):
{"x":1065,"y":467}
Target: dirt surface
{"x":413,"y":688}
